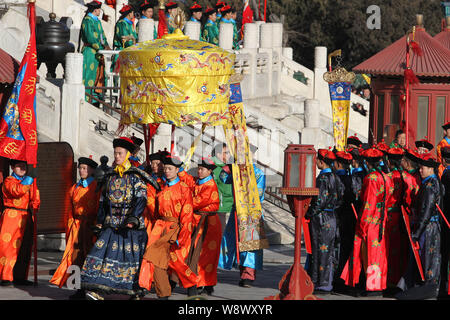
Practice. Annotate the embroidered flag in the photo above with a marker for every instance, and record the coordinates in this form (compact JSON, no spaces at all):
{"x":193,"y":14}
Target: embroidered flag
{"x":18,"y":135}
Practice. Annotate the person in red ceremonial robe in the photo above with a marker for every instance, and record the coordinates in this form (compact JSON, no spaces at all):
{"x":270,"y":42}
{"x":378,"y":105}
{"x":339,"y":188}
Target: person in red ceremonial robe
{"x":170,"y":239}
{"x":247,"y":16}
{"x":84,"y":199}
{"x":397,"y":242}
{"x":205,"y":249}
{"x":369,"y":249}
{"x":16,"y":224}
{"x":410,"y":165}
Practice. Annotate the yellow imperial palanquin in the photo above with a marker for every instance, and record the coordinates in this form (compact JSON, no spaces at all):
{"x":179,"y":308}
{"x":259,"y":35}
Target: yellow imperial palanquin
{"x":175,"y":80}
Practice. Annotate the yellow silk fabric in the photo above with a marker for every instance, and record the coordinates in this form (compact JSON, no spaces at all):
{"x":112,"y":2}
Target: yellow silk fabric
{"x":175,"y":80}
{"x":341,"y":109}
{"x":247,"y":201}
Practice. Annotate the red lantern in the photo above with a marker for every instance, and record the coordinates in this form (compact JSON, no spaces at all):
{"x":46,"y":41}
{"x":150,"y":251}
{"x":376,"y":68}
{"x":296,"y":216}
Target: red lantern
{"x":299,"y":185}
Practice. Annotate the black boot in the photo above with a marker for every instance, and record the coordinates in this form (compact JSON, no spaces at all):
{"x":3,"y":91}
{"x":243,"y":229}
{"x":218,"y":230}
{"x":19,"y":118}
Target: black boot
{"x":79,"y":295}
{"x":192,"y":291}
{"x":208,"y":290}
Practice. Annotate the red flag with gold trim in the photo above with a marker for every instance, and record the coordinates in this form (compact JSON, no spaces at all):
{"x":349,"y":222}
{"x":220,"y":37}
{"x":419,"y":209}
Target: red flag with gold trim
{"x":18,"y":134}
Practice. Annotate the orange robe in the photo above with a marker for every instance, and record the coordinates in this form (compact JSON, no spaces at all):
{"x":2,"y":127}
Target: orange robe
{"x":175,"y":203}
{"x":79,"y":235}
{"x":442,"y":144}
{"x":16,"y":199}
{"x":206,"y":199}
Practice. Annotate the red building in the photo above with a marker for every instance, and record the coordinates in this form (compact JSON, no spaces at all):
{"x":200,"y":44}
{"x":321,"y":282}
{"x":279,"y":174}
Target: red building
{"x":429,"y":104}
{"x":444,"y":36}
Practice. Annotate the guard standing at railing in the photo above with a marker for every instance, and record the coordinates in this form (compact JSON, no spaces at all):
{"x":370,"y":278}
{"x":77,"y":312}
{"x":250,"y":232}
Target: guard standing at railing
{"x":94,"y":39}
{"x":210,"y":31}
{"x":124,"y":32}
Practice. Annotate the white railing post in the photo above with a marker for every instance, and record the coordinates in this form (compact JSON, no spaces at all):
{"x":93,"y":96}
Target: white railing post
{"x":226,"y":36}
{"x":311,"y":132}
{"x":321,"y":91}
{"x":73,"y":92}
{"x":146,"y":27}
{"x":251,"y":48}
{"x":192,"y":30}
{"x":264,"y":81}
{"x":277,"y":44}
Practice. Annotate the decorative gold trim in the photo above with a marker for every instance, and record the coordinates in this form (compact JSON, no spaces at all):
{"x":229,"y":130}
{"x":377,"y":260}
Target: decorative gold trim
{"x":161,"y":5}
{"x":236,"y":78}
{"x":253,"y":245}
{"x":300,"y":191}
{"x":339,"y":75}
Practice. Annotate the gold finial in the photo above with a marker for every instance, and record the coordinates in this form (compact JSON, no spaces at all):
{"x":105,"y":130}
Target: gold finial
{"x":334,"y":54}
{"x":178,"y":20}
{"x":31,"y":1}
{"x":161,"y":5}
{"x":447,"y":20}
{"x":419,"y":20}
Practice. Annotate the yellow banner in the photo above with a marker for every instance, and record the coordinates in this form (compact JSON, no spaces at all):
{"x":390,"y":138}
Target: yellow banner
{"x":248,"y":205}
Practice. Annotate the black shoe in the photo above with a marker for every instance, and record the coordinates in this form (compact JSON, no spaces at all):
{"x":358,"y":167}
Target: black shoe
{"x":23,"y":283}
{"x":192,"y":291}
{"x":6,"y":283}
{"x":79,"y":295}
{"x":245,"y":283}
{"x":163,"y":298}
{"x":173,"y":284}
{"x":208,"y":290}
{"x":320,"y":292}
{"x":372,"y":294}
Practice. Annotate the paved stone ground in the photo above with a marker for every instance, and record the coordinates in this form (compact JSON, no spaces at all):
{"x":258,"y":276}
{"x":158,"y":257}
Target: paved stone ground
{"x":277,"y":260}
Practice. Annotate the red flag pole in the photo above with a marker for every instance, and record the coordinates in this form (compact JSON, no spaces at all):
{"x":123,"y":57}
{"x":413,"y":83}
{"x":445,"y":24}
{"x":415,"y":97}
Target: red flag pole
{"x":414,"y":245}
{"x":354,"y":212}
{"x":265,"y":9}
{"x":443,"y":216}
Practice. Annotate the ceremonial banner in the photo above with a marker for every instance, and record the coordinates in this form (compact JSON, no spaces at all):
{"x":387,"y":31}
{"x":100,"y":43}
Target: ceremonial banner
{"x":248,"y":206}
{"x":18,"y":136}
{"x":340,"y":85}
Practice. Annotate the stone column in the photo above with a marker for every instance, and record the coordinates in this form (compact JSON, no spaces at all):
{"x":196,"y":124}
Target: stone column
{"x":311,"y":132}
{"x":251,"y":32}
{"x":264,"y":80}
{"x":277,"y":44}
{"x":73,"y":92}
{"x":192,"y":29}
{"x":321,"y":91}
{"x":146,"y":28}
{"x":226,"y":36}
{"x":258,"y":27}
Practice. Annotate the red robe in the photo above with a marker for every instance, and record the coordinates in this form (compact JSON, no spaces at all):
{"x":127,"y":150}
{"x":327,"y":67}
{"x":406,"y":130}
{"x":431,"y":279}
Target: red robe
{"x":173,"y":201}
{"x":206,"y":199}
{"x":397,"y":241}
{"x":17,"y":198}
{"x":79,"y":236}
{"x":368,"y":251}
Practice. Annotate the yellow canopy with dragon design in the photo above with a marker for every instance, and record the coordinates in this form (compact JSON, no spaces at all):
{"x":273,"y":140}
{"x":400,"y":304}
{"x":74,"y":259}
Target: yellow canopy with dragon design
{"x":175,"y":80}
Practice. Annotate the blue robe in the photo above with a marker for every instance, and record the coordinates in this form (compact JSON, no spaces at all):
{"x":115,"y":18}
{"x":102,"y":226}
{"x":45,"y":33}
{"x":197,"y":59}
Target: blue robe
{"x":113,"y":264}
{"x":251,"y":259}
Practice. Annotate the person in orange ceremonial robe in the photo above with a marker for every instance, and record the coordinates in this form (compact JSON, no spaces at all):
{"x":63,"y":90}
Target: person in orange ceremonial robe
{"x":170,"y":239}
{"x":82,"y":217}
{"x":205,"y":250}
{"x":16,"y":224}
{"x":369,"y":249}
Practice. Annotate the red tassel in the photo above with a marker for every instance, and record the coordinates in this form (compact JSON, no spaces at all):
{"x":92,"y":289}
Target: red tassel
{"x":162,"y":24}
{"x":411,"y":77}
{"x":416,"y":48}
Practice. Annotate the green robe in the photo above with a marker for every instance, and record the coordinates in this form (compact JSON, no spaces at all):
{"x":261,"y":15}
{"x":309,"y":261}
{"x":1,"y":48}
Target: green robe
{"x":225,"y":190}
{"x":169,"y":21}
{"x":210,"y":33}
{"x":123,"y":28}
{"x":94,"y":39}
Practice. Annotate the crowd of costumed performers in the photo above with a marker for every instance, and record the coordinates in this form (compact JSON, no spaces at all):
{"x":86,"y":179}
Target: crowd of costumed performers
{"x":379,"y":226}
{"x":135,"y":229}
